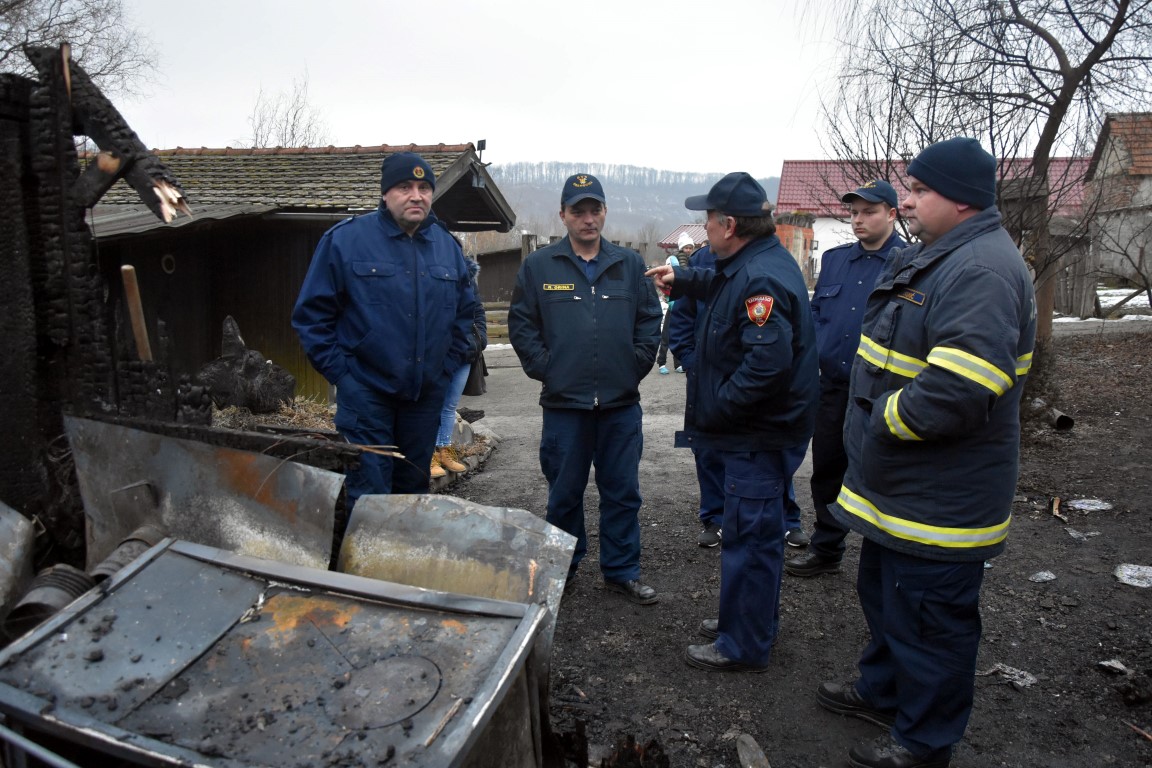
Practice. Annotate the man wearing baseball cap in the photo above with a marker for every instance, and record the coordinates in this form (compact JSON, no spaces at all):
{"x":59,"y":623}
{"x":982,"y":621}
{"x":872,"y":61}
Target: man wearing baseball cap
{"x":385,"y":314}
{"x":933,"y":439}
{"x":752,"y":403}
{"x":585,"y":322}
{"x":847,"y":274}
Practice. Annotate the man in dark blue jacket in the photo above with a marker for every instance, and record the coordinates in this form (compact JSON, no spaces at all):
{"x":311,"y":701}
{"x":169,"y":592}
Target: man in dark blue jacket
{"x":585,"y":321}
{"x":847,"y":274}
{"x":933,"y":439}
{"x":385,"y":314}
{"x":751,"y":399}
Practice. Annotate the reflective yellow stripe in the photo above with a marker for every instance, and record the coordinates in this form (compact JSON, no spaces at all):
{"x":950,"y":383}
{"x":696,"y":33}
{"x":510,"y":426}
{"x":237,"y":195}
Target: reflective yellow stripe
{"x":972,"y":368}
{"x":1023,"y":364}
{"x":889,"y":360}
{"x":896,"y":424}
{"x":951,"y":538}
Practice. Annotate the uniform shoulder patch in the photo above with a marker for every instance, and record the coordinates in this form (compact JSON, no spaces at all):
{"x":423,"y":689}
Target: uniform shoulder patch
{"x":759,"y":308}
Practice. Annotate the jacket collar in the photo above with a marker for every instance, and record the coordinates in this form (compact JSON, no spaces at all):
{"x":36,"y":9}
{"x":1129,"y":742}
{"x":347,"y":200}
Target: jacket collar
{"x":392,"y":229}
{"x":894,"y":241}
{"x":919,"y":257}
{"x":735,"y":263}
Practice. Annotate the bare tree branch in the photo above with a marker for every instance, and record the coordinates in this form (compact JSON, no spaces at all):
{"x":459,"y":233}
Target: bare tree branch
{"x":287,"y":120}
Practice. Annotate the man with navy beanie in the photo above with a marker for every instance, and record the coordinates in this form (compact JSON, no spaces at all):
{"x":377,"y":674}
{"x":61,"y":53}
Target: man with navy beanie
{"x":932,"y":433}
{"x":751,"y":406}
{"x":384,"y":314}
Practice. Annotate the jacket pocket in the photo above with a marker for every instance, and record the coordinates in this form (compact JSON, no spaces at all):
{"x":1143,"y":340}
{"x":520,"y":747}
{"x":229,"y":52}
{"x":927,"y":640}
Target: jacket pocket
{"x":445,"y":281}
{"x":372,"y":282}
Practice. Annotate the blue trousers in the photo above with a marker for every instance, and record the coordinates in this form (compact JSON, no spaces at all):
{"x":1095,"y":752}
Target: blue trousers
{"x":710,"y":479}
{"x":573,"y":441}
{"x":367,"y":417}
{"x":752,"y":555}
{"x":829,"y":463}
{"x":924,"y":617}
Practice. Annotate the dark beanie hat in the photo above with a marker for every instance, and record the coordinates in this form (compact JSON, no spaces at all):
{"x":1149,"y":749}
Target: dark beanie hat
{"x":405,"y":166}
{"x":960,"y":170}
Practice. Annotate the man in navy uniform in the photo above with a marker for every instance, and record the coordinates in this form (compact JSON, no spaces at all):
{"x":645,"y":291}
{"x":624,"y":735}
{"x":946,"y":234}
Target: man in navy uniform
{"x":847,"y":274}
{"x":385,"y":314}
{"x":933,"y":439}
{"x":585,"y":321}
{"x":751,"y":400}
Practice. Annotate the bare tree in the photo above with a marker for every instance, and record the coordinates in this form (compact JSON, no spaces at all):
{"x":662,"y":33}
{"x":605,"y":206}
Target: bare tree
{"x":114,"y":53}
{"x":1032,"y":78}
{"x":287,"y":119}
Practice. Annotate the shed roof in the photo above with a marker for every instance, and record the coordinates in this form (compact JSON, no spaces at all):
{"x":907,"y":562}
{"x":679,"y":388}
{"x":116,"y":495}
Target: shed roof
{"x":815,"y":186}
{"x":695,"y":231}
{"x":321,"y":180}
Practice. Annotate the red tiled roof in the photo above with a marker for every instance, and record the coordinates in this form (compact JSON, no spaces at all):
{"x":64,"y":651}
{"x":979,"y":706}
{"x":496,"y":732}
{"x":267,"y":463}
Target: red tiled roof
{"x":815,"y":186}
{"x":695,"y":231}
{"x":1133,"y":130}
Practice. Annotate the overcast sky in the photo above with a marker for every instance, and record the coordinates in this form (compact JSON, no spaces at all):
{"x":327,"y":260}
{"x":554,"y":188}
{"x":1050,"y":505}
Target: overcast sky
{"x":712,"y":86}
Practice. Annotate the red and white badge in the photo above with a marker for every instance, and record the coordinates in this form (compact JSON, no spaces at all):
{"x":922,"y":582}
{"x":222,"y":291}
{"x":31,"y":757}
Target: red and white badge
{"x":759,"y":308}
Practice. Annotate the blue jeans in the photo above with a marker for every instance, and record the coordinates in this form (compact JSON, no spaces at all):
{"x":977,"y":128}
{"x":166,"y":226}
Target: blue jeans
{"x":367,"y":417}
{"x":451,"y":400}
{"x":574,"y":440}
{"x":752,"y":554}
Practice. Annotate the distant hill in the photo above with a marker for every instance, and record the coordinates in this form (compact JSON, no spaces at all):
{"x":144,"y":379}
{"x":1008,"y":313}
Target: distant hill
{"x":644,"y":204}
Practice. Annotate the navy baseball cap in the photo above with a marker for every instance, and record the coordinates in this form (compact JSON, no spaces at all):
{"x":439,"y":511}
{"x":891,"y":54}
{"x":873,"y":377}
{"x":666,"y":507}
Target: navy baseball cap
{"x":737,"y":194}
{"x":581,"y":186}
{"x":875,"y":191}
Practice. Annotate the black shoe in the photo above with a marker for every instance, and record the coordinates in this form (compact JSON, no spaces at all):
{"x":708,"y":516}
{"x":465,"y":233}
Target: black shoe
{"x":886,"y":753}
{"x":707,"y":657}
{"x":811,"y":564}
{"x":710,"y":628}
{"x":638,"y":593}
{"x":795,"y":537}
{"x":710,"y":536}
{"x":844,"y":700}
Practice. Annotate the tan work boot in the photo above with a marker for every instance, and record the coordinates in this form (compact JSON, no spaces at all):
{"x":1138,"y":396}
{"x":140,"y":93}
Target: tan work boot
{"x":450,"y":459}
{"x":436,"y":470}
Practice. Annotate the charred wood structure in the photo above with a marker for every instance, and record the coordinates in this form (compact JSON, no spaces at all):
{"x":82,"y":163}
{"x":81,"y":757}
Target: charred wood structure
{"x":66,"y":337}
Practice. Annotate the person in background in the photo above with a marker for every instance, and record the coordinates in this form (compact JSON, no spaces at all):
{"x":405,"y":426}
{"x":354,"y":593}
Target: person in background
{"x":680,"y":258}
{"x":847,"y":274}
{"x":385,"y":315}
{"x":445,"y":458}
{"x":585,"y":321}
{"x":933,"y":439}
{"x":752,"y":400}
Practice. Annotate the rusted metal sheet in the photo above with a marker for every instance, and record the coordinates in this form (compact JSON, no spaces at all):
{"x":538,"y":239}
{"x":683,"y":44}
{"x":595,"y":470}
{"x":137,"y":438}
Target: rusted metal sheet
{"x":276,"y":665}
{"x":450,"y":544}
{"x":235,"y":500}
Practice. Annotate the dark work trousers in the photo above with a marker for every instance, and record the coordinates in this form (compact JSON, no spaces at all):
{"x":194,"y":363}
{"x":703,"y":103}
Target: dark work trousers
{"x":752,"y":554}
{"x":829,"y":463}
{"x":574,"y":440}
{"x":710,"y":479}
{"x":924,"y":617}
{"x":367,"y":417}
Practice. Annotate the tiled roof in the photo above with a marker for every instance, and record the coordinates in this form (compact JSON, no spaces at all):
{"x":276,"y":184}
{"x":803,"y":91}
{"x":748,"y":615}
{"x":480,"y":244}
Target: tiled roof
{"x":695,"y":231}
{"x":347,"y":178}
{"x":815,"y":186}
{"x":1133,"y":130}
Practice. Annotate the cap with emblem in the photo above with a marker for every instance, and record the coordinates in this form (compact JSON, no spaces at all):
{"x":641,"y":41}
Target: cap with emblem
{"x":737,"y":194}
{"x":405,"y":166}
{"x":875,"y":191}
{"x":581,"y":186}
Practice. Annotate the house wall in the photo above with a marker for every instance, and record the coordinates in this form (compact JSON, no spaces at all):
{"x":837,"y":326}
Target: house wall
{"x":498,"y":275}
{"x":829,"y":233}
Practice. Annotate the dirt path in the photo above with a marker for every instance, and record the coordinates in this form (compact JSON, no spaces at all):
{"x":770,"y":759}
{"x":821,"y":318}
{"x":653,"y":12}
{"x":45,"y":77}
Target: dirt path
{"x":618,"y":667}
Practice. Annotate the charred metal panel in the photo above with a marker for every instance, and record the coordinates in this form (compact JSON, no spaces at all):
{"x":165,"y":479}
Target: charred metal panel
{"x":196,"y":656}
{"x":234,"y":500}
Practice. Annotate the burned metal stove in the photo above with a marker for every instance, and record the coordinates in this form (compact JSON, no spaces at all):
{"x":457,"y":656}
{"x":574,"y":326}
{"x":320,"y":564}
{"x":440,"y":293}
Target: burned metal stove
{"x":196,"y":656}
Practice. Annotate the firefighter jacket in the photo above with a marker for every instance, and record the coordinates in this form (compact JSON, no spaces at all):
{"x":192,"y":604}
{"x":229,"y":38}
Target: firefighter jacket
{"x":754,"y":381}
{"x":932,"y":430}
{"x":395,"y":311}
{"x":590,"y":341}
{"x":847,"y":275}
